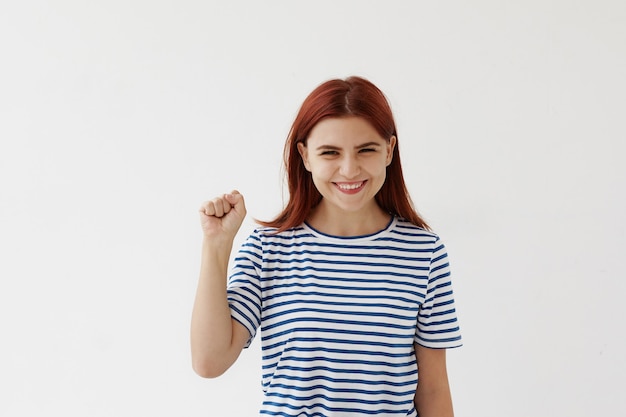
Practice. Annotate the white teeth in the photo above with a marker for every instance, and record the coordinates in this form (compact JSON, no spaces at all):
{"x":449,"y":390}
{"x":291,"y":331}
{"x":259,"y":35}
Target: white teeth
{"x":350,"y":186}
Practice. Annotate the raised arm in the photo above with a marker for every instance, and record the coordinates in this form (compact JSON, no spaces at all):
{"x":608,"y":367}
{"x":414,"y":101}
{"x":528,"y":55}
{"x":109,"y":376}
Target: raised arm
{"x":216,"y":338}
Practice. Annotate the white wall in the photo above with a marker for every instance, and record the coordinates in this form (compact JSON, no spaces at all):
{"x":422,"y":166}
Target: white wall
{"x":118,"y":118}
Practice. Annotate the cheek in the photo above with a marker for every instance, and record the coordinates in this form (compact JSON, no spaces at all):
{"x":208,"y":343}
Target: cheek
{"x":321,"y":170}
{"x":377,"y":166}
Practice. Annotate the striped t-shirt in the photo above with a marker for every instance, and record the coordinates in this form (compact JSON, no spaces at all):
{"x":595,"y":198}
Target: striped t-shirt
{"x":339,"y":316}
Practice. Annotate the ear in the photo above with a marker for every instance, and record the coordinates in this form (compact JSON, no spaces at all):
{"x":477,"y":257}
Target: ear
{"x":391,"y":145}
{"x":304,"y":153}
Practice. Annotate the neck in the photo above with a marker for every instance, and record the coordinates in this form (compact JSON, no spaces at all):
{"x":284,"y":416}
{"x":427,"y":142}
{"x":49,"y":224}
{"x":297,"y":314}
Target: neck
{"x":341,"y":223}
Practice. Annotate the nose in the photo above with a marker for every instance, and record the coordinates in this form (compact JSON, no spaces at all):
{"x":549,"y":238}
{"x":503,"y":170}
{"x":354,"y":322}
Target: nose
{"x":349,"y":167}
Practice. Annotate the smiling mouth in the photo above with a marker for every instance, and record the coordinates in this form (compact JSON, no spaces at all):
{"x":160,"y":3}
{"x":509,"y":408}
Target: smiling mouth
{"x":350,"y":186}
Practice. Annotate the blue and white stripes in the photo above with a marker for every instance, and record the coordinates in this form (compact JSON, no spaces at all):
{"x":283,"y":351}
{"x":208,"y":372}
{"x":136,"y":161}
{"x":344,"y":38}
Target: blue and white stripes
{"x":339,"y":316}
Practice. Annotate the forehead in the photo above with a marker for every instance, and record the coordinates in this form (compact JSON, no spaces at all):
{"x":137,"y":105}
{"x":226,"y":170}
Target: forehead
{"x":343,"y":131}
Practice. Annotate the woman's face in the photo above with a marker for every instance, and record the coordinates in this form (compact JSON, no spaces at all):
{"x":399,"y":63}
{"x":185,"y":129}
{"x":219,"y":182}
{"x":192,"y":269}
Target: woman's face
{"x":347,"y":159}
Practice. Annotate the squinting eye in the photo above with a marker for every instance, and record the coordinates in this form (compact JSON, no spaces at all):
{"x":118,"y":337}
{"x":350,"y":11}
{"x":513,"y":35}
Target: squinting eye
{"x":367,"y":150}
{"x":329,"y":153}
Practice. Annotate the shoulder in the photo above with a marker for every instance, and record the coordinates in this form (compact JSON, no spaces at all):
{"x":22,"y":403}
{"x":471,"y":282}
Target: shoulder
{"x":407,"y":230}
{"x":271,"y":235}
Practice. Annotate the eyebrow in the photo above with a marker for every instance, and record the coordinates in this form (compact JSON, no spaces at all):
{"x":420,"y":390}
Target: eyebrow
{"x":364,"y":145}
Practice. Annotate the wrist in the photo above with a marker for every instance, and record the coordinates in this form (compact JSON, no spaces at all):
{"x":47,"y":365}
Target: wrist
{"x":217,"y":245}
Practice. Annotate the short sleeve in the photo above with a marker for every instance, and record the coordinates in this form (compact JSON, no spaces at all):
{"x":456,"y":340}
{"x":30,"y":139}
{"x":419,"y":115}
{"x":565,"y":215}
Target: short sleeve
{"x":437,"y":325}
{"x":244,"y":285}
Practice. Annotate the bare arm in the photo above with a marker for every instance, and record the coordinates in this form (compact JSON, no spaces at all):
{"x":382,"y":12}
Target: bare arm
{"x":216,"y":338}
{"x":432,"y":398}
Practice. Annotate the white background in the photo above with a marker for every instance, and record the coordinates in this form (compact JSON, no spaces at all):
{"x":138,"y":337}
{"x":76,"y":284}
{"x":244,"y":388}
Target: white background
{"x":119,"y":117}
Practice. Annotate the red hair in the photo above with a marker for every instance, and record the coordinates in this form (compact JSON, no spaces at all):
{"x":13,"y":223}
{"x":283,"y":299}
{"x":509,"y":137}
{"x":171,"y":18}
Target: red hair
{"x":353,"y":96}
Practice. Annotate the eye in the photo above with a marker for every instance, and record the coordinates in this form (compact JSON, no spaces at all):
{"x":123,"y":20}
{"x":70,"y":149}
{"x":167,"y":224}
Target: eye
{"x":329,"y":153}
{"x":365,"y":150}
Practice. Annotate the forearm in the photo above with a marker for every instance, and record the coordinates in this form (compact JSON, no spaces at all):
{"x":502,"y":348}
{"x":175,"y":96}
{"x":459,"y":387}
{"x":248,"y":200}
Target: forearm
{"x":211,"y":323}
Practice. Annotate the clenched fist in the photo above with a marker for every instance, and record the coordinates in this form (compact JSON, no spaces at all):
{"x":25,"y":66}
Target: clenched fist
{"x":221,"y":217}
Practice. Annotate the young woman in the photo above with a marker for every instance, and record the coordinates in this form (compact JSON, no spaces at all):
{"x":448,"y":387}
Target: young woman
{"x":349,"y":287}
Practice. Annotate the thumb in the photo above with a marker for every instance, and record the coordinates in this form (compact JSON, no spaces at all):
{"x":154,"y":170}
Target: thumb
{"x":236,"y":200}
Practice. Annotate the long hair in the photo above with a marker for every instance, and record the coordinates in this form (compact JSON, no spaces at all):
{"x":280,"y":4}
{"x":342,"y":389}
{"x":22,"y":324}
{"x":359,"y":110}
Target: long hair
{"x":354,"y":96}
